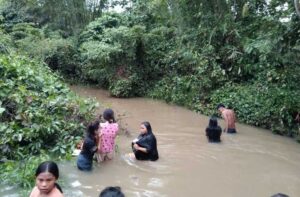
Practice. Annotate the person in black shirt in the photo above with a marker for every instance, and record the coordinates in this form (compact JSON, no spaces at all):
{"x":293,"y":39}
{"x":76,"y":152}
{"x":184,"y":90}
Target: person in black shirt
{"x":89,"y":147}
{"x":144,"y":147}
{"x":112,"y":192}
{"x":213,"y":131}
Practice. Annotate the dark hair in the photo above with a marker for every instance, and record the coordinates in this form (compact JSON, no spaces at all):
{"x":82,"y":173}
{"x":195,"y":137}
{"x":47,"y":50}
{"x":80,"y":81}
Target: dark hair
{"x":92,"y":127}
{"x":220,"y":105}
{"x":109,"y":116}
{"x":49,"y":166}
{"x":213,"y":122}
{"x":112,"y":192}
{"x":148,"y":127}
{"x":280,"y":195}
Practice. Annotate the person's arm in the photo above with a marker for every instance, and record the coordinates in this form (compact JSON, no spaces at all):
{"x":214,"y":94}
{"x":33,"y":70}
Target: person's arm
{"x":99,"y":141}
{"x":207,"y":131}
{"x":137,"y":147}
{"x":90,"y":145}
{"x":234,"y":116}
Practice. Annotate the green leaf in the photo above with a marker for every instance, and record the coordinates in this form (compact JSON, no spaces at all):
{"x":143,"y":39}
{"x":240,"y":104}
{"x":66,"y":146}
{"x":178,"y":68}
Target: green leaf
{"x":2,"y":110}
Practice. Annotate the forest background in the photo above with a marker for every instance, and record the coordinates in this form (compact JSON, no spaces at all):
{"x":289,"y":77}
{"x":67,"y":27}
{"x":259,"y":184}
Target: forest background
{"x":244,"y":54}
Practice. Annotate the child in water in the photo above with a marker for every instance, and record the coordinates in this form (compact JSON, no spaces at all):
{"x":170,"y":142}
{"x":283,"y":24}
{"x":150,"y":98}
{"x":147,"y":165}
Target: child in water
{"x":107,"y":135}
{"x":46,"y":175}
{"x":213,"y":131}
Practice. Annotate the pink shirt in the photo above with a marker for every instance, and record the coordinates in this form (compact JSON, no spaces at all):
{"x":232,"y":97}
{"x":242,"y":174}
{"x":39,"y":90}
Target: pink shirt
{"x":107,"y":134}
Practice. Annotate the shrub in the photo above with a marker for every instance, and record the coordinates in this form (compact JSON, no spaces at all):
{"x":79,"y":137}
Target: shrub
{"x":38,"y":114}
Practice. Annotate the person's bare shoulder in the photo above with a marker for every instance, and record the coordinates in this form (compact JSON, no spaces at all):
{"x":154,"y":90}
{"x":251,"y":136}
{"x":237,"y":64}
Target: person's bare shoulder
{"x":56,"y":193}
{"x":35,"y":192}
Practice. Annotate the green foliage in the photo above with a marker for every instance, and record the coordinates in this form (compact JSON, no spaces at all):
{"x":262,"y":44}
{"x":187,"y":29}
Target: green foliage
{"x":121,"y":88}
{"x":61,"y":55}
{"x":266,"y":106}
{"x":194,"y":54}
{"x":5,"y":42}
{"x":22,"y":172}
{"x":49,"y":47}
{"x":110,"y":52}
{"x":39,"y":114}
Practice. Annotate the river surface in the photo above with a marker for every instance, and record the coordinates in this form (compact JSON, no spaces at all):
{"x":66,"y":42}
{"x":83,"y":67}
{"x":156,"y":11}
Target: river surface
{"x":252,"y":163}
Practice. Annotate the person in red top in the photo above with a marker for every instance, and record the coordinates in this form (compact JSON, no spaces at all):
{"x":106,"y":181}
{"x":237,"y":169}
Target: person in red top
{"x":229,"y":117}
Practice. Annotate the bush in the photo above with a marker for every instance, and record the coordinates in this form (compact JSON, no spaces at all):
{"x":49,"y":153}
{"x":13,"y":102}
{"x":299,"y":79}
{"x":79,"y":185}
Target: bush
{"x":38,"y":114}
{"x":268,"y":107}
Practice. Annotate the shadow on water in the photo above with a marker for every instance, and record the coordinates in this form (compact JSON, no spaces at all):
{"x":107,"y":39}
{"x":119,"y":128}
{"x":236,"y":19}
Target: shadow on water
{"x":253,"y":162}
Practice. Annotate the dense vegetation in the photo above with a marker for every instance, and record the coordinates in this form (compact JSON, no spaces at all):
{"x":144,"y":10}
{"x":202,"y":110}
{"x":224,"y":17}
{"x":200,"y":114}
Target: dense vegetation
{"x":39,"y":116}
{"x":244,"y":54}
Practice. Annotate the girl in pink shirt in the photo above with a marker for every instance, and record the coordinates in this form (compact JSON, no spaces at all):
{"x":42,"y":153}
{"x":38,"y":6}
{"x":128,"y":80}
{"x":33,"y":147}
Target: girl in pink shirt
{"x":107,"y":135}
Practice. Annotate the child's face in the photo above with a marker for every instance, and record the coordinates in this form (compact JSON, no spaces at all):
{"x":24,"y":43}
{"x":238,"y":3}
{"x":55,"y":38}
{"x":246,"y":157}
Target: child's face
{"x":143,"y":129}
{"x":45,"y":182}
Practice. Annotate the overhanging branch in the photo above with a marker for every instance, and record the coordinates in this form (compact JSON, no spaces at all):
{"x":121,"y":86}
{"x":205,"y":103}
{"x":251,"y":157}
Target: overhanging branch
{"x":297,"y":7}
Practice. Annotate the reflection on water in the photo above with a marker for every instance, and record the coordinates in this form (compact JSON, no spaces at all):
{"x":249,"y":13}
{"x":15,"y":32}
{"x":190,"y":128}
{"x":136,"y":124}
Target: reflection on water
{"x":252,"y":163}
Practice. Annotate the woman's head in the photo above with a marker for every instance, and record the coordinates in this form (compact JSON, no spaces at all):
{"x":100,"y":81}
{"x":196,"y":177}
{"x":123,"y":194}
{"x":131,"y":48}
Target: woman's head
{"x":146,"y":128}
{"x":112,"y":192}
{"x":280,"y":195}
{"x":220,"y":107}
{"x":213,"y":122}
{"x":92,"y":128}
{"x":109,"y":116}
{"x":46,"y":175}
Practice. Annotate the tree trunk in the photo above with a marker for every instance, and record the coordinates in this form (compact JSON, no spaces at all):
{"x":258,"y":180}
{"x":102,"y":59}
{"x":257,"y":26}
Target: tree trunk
{"x":297,"y":7}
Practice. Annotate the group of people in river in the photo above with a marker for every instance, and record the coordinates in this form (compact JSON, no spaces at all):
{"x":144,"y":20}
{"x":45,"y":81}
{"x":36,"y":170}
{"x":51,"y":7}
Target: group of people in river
{"x":100,"y":138}
{"x":99,"y":143}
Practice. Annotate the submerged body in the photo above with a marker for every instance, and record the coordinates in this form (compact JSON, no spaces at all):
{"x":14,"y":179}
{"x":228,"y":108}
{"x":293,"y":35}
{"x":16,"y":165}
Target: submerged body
{"x":144,"y":147}
{"x":89,"y":147}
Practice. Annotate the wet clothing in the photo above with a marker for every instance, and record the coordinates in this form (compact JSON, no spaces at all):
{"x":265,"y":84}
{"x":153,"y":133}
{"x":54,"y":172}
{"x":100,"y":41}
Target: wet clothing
{"x":108,"y":134}
{"x":147,"y":141}
{"x":213,"y":133}
{"x":85,"y":158}
{"x":231,"y":130}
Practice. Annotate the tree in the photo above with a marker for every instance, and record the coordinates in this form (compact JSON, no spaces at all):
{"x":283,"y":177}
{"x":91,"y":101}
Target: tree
{"x":297,"y":7}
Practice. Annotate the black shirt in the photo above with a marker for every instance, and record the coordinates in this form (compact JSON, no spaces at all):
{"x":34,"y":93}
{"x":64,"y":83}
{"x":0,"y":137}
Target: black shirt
{"x":213,"y":133}
{"x":147,"y":141}
{"x":89,"y":148}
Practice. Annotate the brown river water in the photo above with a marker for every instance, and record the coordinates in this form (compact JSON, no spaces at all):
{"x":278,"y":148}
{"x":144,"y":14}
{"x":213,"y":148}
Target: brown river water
{"x":252,"y":163}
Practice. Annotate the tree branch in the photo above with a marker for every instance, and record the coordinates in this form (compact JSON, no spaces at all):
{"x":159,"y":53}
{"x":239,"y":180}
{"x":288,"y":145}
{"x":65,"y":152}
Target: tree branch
{"x":297,"y":7}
